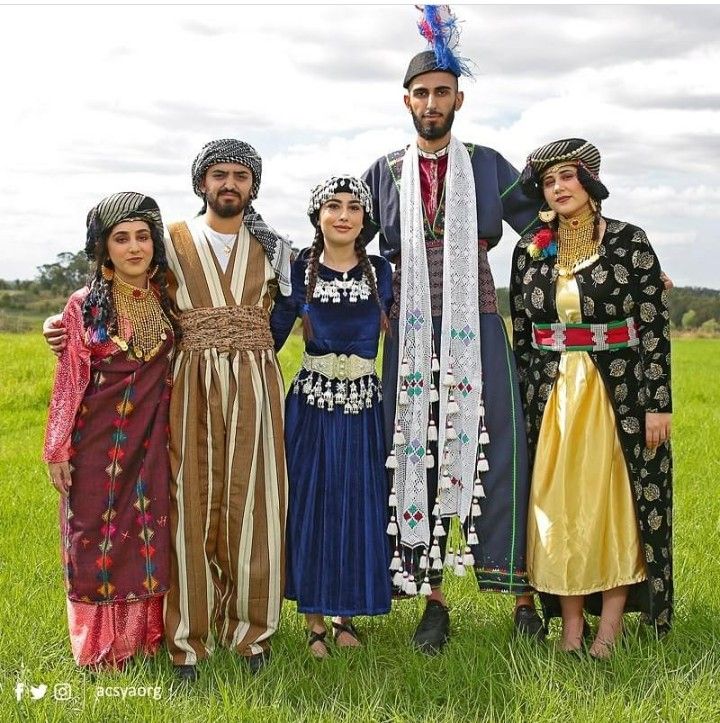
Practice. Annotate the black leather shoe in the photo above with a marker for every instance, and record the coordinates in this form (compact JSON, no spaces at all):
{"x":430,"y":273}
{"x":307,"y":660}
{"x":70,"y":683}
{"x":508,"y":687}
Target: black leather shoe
{"x":257,"y":662}
{"x":528,"y":623}
{"x":433,"y":631}
{"x":186,"y":673}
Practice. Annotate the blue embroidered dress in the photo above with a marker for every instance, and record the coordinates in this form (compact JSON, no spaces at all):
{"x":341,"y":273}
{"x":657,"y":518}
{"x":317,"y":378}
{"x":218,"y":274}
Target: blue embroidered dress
{"x":337,"y":551}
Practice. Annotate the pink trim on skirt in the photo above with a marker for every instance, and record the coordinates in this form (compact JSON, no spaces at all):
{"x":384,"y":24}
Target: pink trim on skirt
{"x":110,"y":634}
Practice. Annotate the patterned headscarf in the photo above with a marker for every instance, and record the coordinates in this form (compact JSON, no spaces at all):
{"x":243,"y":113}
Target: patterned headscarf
{"x":340,"y":184}
{"x":124,"y":206}
{"x":226,"y":150}
{"x":567,"y":150}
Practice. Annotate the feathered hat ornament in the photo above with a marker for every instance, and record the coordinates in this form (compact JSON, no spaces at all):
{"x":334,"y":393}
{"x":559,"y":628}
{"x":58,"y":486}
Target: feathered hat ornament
{"x":439,"y":26}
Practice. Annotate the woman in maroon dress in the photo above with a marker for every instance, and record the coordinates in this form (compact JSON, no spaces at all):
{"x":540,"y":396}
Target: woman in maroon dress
{"x":106,"y":436}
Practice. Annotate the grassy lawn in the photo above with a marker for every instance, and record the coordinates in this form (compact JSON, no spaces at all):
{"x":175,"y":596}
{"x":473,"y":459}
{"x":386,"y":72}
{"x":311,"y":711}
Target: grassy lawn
{"x":483,"y":675}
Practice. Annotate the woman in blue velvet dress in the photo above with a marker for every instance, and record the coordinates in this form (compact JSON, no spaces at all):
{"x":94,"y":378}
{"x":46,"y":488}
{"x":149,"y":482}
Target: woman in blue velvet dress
{"x":337,"y":549}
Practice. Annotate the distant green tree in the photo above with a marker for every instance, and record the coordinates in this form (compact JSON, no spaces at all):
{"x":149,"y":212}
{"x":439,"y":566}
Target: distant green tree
{"x":689,"y":319}
{"x":67,"y":274}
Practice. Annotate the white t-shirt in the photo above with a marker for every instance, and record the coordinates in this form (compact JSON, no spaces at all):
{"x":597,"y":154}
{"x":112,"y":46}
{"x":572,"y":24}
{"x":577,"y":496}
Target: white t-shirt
{"x":222,"y":244}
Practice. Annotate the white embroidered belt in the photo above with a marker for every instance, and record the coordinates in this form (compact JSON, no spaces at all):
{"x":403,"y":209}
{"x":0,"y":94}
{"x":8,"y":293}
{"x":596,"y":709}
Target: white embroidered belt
{"x":339,"y":366}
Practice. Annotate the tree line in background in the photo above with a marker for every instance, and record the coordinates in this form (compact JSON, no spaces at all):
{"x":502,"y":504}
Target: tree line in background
{"x":695,"y":310}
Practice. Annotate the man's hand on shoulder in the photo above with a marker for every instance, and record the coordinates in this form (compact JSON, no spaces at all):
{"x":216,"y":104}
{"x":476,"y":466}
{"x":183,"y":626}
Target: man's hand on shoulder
{"x":55,"y":333}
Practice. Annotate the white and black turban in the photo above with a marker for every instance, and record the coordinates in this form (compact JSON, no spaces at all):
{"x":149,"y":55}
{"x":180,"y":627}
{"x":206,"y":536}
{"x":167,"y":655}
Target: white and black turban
{"x":567,"y":150}
{"x":340,"y":184}
{"x":226,"y":150}
{"x":124,"y":206}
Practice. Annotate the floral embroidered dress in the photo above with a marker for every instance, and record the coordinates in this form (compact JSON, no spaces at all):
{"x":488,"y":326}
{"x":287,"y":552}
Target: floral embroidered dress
{"x":108,"y":417}
{"x":337,"y":549}
{"x":601,"y":501}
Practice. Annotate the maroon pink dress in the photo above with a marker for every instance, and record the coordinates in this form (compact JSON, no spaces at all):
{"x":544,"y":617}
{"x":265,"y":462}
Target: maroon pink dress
{"x":108,"y":417}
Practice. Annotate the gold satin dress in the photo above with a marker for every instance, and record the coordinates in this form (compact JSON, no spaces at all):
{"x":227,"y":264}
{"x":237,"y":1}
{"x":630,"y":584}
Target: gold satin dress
{"x":582,"y":529}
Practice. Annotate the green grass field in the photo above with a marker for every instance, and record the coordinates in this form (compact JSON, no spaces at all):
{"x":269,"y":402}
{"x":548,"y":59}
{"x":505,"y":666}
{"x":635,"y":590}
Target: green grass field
{"x":483,"y":676}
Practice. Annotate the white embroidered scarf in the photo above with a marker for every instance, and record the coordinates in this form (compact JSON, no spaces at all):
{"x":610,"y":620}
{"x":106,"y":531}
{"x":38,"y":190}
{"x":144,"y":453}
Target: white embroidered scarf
{"x":460,"y":363}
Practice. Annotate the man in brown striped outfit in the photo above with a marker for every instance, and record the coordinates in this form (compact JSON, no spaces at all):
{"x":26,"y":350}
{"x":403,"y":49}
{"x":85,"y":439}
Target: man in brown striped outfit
{"x":229,"y":483}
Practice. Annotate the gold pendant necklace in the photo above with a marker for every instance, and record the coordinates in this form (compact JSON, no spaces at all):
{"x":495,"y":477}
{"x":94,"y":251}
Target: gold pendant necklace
{"x":142,"y":325}
{"x":576,"y":245}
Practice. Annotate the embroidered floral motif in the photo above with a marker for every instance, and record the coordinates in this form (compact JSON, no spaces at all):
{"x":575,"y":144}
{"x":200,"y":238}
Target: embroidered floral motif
{"x":621,"y":274}
{"x":630,"y":425}
{"x":617,"y":367}
{"x":599,"y":275}
{"x":647,"y":312}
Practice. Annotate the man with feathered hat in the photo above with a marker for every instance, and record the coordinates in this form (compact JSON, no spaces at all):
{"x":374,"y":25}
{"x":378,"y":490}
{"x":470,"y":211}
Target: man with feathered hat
{"x":452,"y":406}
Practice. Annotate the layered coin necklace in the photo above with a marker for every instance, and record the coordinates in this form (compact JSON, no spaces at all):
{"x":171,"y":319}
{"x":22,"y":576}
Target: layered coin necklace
{"x":576,"y":245}
{"x":142,"y":323}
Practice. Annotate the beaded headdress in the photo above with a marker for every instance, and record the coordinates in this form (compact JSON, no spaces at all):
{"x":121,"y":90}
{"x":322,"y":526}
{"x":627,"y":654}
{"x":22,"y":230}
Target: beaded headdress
{"x":339,"y":184}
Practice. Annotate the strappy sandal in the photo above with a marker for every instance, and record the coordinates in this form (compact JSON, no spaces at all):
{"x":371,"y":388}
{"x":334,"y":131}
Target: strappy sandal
{"x":349,"y":628}
{"x":315,"y":636}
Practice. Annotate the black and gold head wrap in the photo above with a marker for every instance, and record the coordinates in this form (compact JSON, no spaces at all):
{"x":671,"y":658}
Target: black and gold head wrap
{"x":123,"y":206}
{"x":577,"y":151}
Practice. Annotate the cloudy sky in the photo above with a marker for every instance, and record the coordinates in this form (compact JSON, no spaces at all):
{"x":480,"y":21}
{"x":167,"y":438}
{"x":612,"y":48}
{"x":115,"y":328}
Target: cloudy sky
{"x":98,"y":99}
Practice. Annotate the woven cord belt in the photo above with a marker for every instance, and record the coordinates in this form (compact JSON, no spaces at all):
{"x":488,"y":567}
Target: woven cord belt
{"x":585,"y":337}
{"x":226,"y":328}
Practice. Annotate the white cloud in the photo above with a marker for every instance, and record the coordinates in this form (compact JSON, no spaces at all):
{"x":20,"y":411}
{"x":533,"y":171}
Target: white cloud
{"x":100,"y":99}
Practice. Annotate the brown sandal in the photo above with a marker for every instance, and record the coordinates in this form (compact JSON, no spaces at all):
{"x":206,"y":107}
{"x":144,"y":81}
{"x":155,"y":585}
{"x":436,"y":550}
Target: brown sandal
{"x":318,"y":637}
{"x":349,"y":628}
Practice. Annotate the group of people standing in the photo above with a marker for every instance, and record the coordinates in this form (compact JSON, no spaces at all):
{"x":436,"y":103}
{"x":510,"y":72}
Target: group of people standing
{"x":555,"y":459}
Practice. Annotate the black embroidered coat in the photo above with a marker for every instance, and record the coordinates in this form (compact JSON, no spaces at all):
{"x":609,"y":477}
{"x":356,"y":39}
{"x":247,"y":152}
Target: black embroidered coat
{"x":624,"y":282}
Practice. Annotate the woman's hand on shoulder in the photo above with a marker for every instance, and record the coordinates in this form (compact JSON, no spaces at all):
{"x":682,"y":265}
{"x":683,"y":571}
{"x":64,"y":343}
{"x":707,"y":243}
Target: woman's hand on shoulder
{"x":60,"y":476}
{"x":658,"y":426}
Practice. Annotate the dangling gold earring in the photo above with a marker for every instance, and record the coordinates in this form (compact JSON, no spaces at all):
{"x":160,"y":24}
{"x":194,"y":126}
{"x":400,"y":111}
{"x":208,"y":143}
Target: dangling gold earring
{"x":593,"y":204}
{"x":153,"y":271}
{"x":107,"y":273}
{"x":547,"y":216}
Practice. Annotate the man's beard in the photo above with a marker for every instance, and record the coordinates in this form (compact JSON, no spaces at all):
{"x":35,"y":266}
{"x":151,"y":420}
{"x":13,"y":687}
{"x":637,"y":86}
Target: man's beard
{"x":433,"y":132}
{"x":226,"y":209}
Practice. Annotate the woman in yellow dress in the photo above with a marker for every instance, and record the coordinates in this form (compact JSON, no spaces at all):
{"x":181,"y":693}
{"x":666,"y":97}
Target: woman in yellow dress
{"x":591,"y":333}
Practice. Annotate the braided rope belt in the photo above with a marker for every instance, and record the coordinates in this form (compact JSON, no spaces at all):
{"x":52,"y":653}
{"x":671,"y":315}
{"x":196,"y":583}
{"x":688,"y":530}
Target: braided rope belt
{"x":226,"y":328}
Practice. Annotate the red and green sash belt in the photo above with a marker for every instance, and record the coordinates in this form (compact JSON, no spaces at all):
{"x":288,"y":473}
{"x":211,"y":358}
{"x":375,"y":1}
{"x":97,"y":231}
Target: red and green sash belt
{"x":585,"y":337}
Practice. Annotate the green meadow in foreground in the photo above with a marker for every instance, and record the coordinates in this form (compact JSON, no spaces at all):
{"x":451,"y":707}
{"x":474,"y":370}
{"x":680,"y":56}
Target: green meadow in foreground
{"x":484,"y":675}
